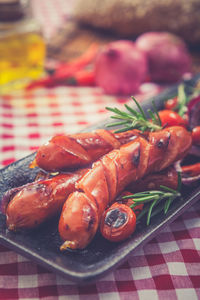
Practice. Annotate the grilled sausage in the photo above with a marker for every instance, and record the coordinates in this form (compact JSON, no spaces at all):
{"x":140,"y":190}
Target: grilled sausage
{"x":111,"y":174}
{"x":65,"y":152}
{"x":167,"y":177}
{"x":29,"y":206}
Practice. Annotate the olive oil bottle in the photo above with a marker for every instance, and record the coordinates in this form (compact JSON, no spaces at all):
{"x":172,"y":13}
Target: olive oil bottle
{"x":22,"y":46}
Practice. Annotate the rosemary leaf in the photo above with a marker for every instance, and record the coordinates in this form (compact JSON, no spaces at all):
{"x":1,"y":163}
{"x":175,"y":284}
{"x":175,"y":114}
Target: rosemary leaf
{"x":134,"y":119}
{"x":162,"y":198}
{"x":182,"y":100}
{"x":151,"y":192}
{"x":167,"y":189}
{"x":157,"y":210}
{"x":140,"y":108}
{"x":150,"y":210}
{"x":167,"y":204}
{"x":179,"y":182}
{"x":123,"y":129}
{"x":143,"y":212}
{"x":132,"y":111}
{"x":156,"y":113}
{"x":152,"y":116}
{"x":146,"y":199}
{"x":118,"y":123}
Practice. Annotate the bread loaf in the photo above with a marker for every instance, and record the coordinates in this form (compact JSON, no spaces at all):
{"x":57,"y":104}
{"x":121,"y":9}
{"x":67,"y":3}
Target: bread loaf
{"x":129,"y":18}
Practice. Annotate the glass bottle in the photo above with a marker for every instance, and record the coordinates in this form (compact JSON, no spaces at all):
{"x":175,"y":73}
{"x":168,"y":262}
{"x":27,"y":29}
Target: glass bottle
{"x":22,"y":47}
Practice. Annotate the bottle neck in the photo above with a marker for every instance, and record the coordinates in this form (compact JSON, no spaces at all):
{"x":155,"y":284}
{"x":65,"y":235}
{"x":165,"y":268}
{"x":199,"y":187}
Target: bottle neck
{"x":11,"y":10}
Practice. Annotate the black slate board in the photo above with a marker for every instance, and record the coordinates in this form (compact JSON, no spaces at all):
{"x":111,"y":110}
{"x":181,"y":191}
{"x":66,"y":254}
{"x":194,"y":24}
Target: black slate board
{"x":101,"y":256}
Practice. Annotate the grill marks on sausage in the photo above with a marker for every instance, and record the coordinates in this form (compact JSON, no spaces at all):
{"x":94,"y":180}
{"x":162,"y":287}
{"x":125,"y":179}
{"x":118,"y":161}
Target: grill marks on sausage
{"x":89,"y":217}
{"x":91,"y":222}
{"x":93,"y":142}
{"x":163,"y":143}
{"x":136,"y":157}
{"x":126,"y":137}
{"x":66,"y":152}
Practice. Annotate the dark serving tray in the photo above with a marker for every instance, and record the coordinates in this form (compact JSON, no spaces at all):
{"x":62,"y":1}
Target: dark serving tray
{"x":101,"y":256}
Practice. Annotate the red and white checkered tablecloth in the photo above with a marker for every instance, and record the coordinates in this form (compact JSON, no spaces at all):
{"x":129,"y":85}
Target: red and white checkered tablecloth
{"x":168,"y":267}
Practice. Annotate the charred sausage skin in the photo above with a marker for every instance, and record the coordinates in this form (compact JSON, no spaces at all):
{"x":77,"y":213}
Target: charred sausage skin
{"x":66,"y":152}
{"x":29,"y":206}
{"x":32,"y":204}
{"x":38,"y":201}
{"x":112,"y":173}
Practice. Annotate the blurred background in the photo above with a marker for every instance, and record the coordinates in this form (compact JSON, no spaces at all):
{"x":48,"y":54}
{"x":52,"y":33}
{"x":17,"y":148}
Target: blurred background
{"x":103,"y":21}
{"x":37,"y":37}
{"x":63,"y":61}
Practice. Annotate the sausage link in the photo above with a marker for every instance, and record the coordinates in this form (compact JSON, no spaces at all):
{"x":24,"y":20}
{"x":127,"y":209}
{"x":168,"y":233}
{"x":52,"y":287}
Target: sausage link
{"x":167,"y":177}
{"x":66,"y":152}
{"x":38,"y":201}
{"x":112,"y":173}
{"x":119,"y":220}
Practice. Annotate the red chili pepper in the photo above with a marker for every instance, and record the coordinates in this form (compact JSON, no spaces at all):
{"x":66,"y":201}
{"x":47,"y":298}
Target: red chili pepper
{"x":171,"y":103}
{"x":67,"y":71}
{"x":44,"y":82}
{"x":52,"y":81}
{"x":79,"y":62}
{"x":82,"y":78}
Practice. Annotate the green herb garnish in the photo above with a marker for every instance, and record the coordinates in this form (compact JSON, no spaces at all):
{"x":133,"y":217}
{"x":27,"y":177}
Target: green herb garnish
{"x":155,"y":200}
{"x":135,"y":119}
{"x":183,"y":100}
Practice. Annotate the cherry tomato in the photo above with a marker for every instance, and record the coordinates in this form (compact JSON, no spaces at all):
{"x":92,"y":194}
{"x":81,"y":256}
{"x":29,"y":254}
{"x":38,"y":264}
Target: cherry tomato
{"x":196,"y":135}
{"x":171,"y":103}
{"x":118,"y":222}
{"x":171,"y":118}
{"x":186,"y":118}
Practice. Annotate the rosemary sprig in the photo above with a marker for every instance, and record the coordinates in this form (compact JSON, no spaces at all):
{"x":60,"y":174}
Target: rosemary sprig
{"x":160,"y":199}
{"x":135,"y":119}
{"x":183,"y":100}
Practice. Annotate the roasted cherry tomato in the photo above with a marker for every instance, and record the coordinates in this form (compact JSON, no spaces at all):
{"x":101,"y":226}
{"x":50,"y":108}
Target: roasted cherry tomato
{"x":196,"y":135}
{"x":171,"y":118}
{"x":171,"y":103}
{"x":118,"y":222}
{"x":186,"y":118}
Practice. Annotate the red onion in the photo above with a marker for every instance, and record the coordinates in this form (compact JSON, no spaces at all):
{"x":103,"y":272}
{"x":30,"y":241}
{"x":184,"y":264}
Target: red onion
{"x":195,"y":150}
{"x":120,"y":68}
{"x":168,"y":57}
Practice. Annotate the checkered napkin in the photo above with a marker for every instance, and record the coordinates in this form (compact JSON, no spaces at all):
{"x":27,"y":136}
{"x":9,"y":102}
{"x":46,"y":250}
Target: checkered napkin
{"x":168,"y":267}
